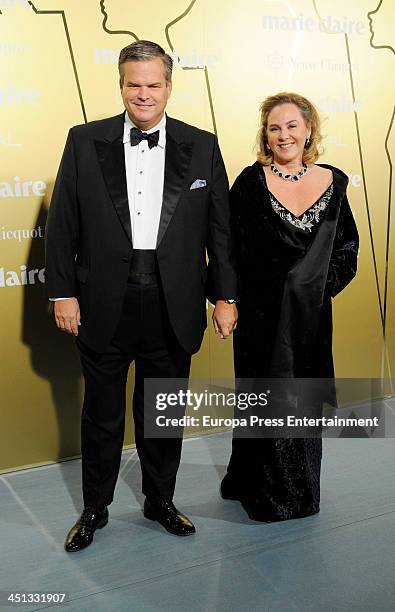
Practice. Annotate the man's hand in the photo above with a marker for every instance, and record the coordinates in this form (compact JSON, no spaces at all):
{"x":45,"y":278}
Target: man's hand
{"x":67,"y":315}
{"x":224,"y":318}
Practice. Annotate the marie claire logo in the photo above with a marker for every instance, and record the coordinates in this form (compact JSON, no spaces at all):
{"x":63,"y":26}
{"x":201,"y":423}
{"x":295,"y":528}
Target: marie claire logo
{"x":22,"y":189}
{"x":194,"y":59}
{"x":301,"y":23}
{"x":18,"y":96}
{"x":21,"y":234}
{"x":13,"y":278}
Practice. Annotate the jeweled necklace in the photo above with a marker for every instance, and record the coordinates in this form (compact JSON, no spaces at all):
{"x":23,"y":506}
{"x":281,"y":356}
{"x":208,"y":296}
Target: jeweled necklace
{"x":289,"y":177}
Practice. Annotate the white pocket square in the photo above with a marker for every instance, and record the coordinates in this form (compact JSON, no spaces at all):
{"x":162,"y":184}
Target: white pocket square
{"x":198,"y":184}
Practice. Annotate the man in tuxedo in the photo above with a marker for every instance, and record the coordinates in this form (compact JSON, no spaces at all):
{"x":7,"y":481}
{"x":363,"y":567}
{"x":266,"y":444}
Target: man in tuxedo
{"x":138,"y":200}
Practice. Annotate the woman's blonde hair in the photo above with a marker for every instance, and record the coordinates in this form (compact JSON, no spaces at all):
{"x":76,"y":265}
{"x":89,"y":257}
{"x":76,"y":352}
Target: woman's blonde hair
{"x":310,"y":115}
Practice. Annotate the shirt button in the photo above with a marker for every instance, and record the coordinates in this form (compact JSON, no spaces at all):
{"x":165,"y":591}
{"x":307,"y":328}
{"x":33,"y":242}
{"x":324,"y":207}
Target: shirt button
{"x":141,"y":172}
{"x":125,"y":259}
{"x":139,"y":192}
{"x":138,"y":213}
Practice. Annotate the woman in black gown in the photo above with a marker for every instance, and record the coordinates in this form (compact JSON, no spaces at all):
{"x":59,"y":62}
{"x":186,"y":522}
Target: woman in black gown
{"x":296,"y":247}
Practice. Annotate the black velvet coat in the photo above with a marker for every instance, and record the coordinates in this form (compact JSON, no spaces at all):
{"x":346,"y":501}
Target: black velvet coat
{"x":285,"y":285}
{"x":287,"y":277}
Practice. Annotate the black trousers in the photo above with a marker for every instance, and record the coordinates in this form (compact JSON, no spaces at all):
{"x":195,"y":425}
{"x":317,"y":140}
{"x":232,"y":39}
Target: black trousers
{"x":143,"y":335}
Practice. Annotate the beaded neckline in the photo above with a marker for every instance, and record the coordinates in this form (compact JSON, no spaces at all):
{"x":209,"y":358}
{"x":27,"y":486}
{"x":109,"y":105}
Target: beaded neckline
{"x":310,"y":217}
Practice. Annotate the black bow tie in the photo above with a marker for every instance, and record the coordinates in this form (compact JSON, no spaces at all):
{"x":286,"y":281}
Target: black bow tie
{"x":137,"y":136}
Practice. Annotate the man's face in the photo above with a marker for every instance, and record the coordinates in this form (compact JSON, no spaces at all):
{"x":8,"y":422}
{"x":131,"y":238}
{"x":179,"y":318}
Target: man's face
{"x":145,"y":91}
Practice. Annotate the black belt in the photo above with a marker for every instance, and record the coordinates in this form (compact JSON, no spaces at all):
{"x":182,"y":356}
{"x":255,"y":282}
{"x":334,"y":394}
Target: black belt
{"x":143,"y":267}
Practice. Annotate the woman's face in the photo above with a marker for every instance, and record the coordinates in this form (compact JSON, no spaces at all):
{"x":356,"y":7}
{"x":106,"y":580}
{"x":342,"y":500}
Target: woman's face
{"x":287,"y":132}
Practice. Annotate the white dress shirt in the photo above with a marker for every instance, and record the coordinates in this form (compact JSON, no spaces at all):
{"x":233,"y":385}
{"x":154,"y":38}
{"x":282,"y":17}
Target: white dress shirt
{"x":145,"y":174}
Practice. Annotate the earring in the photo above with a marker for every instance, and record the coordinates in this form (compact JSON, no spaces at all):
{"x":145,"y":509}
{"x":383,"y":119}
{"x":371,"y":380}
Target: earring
{"x":307,"y":143}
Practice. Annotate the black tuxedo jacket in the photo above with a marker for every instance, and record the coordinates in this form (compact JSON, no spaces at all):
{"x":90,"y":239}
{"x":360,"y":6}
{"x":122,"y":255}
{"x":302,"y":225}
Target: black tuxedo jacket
{"x":89,"y":237}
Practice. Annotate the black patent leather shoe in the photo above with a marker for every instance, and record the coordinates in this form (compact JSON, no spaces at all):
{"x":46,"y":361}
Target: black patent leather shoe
{"x":81,"y":534}
{"x":169,"y":517}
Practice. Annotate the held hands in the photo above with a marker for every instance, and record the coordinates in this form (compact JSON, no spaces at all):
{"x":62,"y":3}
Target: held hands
{"x":67,"y":315}
{"x":224,"y":318}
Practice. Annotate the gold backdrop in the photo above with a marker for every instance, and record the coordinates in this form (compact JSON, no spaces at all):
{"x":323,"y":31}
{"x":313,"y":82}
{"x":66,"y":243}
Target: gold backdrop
{"x":58,"y":63}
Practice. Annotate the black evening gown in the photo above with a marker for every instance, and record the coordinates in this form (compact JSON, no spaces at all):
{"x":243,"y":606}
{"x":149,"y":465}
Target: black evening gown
{"x":289,"y":269}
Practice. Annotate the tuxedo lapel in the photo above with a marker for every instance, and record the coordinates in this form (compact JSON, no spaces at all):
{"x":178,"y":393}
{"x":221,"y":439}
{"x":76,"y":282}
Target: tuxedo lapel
{"x":177,"y":160}
{"x":110,"y":153}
